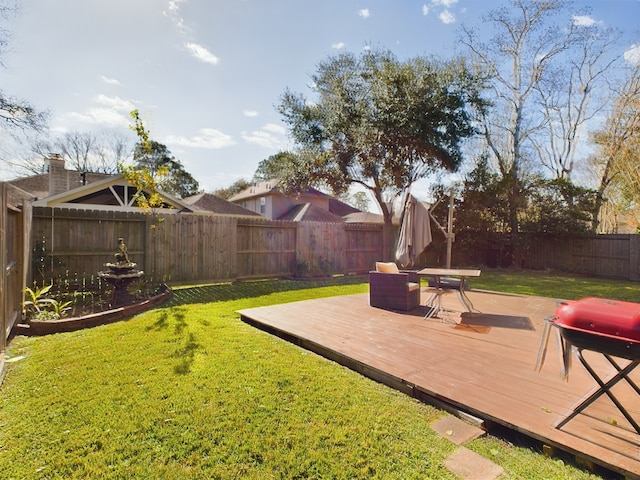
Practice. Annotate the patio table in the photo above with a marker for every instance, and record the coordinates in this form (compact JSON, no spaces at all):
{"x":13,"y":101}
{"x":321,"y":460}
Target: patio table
{"x":434,"y":299}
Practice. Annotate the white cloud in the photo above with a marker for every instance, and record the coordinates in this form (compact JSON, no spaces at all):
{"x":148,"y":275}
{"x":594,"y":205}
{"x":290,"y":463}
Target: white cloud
{"x":111,"y":112}
{"x":632,"y":54}
{"x":269,"y":136}
{"x":201,"y":53}
{"x":205,"y":138}
{"x":173,"y":13}
{"x":338,"y":45}
{"x":174,"y":5}
{"x":250,"y":113}
{"x":443,"y":3}
{"x":115,"y":103}
{"x":583,"y":21}
{"x":364,"y":13}
{"x":425,"y":10}
{"x":275,"y":128}
{"x":447,"y":17}
{"x":106,"y":117}
{"x":110,"y":81}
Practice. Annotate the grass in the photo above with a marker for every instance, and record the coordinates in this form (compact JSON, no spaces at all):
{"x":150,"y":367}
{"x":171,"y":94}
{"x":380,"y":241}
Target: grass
{"x":556,"y":285}
{"x":189,"y":391}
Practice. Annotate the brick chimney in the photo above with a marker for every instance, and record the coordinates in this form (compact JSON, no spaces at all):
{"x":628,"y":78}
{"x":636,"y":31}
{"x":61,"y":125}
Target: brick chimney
{"x":58,"y":178}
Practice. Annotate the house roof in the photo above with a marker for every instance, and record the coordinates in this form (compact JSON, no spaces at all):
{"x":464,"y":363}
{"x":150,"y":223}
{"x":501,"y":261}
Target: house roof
{"x":38,"y":185}
{"x":364,"y":217}
{"x":260,"y":189}
{"x":340,"y":208}
{"x":307,"y":212}
{"x":112,"y":193}
{"x":207,"y":202}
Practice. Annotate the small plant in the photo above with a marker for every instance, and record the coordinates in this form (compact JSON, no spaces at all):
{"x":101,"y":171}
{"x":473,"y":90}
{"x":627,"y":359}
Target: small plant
{"x":36,"y":299}
{"x":38,"y":306}
{"x":60,"y":308}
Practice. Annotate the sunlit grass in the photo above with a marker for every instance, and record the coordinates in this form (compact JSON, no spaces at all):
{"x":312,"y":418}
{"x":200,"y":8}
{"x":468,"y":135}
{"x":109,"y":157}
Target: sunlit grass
{"x":556,"y":285}
{"x":190,"y":391}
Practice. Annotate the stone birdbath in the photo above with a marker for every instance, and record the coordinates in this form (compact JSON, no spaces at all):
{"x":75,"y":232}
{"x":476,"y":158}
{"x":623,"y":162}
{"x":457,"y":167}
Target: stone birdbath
{"x":120,"y":274}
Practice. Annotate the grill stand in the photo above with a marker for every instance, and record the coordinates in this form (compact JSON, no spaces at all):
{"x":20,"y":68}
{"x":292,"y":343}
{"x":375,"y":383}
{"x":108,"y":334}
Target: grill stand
{"x":605,"y":388}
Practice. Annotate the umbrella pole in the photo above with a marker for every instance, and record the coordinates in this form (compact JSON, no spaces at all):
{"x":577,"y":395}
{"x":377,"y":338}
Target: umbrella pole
{"x":450,"y":229}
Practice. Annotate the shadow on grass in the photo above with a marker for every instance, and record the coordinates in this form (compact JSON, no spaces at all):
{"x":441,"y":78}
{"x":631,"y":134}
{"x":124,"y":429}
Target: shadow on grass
{"x":186,"y":355}
{"x":222,"y":292}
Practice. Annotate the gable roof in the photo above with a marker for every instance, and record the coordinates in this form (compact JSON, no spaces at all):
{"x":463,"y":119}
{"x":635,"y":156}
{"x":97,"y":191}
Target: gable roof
{"x":207,"y":202}
{"x":308,"y":212}
{"x":38,"y":185}
{"x":340,"y":208}
{"x":112,"y":193}
{"x":259,"y":189}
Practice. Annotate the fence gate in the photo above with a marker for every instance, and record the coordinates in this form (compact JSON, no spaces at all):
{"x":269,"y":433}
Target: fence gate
{"x":15,"y":224}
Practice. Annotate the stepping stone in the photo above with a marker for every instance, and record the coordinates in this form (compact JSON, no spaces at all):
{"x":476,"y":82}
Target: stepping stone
{"x":469,"y":465}
{"x":456,"y":430}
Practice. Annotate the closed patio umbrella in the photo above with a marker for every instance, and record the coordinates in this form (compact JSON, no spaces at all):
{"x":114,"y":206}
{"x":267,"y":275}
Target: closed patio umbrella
{"x":415,"y":232}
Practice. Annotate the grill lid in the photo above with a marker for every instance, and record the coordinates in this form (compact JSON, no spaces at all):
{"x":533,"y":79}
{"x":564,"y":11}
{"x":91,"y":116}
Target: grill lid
{"x":600,"y":316}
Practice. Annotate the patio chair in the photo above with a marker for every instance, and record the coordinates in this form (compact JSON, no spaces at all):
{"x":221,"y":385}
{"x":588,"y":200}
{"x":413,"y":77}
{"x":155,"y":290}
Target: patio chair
{"x":392,"y":289}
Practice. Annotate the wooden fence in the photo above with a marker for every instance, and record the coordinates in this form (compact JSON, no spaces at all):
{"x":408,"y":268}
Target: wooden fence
{"x":198,"y":248}
{"x":610,"y":256}
{"x":15,"y":223}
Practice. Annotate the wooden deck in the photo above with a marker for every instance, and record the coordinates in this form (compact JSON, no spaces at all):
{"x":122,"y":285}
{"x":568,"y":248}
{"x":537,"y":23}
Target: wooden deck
{"x":483,"y":365}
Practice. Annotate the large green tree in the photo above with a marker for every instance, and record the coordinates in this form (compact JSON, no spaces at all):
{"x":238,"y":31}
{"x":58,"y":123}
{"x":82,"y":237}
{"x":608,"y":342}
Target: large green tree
{"x":379,"y":123}
{"x":153,"y":156}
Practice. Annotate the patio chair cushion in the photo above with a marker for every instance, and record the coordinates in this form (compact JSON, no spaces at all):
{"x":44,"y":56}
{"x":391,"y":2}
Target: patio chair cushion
{"x":387,"y":267}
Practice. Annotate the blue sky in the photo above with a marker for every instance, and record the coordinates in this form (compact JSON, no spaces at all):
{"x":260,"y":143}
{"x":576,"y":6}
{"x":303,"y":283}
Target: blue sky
{"x":206,"y":75}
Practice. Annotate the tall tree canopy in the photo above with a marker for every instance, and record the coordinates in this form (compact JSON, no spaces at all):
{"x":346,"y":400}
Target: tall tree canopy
{"x":156,"y":157}
{"x":617,"y":158}
{"x":543,"y":65}
{"x":379,"y":123}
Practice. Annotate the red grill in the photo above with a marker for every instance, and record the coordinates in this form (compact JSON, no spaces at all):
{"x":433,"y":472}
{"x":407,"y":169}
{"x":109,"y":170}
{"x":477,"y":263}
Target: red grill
{"x":609,"y":327}
{"x":606,"y":326}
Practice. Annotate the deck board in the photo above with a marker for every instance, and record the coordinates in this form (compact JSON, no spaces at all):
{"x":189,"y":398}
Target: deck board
{"x":484,"y":365}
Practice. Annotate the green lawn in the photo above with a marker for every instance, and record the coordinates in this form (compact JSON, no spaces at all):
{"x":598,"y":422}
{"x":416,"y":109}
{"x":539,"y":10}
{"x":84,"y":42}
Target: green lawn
{"x":190,"y":391}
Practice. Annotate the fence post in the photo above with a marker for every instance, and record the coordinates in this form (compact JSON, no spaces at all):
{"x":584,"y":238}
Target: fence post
{"x":634,"y":257}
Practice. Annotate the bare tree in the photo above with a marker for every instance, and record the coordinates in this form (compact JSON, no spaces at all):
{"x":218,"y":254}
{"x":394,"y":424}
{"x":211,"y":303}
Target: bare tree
{"x":101,"y":152}
{"x":542,"y":65}
{"x":15,"y":113}
{"x":617,"y":156}
{"x":570,"y":97}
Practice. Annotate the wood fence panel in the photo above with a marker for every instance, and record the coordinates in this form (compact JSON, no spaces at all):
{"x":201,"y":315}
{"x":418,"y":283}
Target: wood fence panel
{"x":266,"y":248}
{"x":634,"y":257}
{"x":363,"y":247}
{"x":15,"y":215}
{"x":320,"y":248}
{"x":612,"y":256}
{"x":193,"y":248}
{"x":196,"y":248}
{"x":73,"y":243}
{"x":613,"y":259}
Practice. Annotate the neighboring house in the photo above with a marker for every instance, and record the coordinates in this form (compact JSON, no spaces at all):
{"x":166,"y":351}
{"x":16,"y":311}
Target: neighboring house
{"x":59,"y":187}
{"x":64,"y":188}
{"x":56,"y":180}
{"x":207,"y":202}
{"x":311,"y":205}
